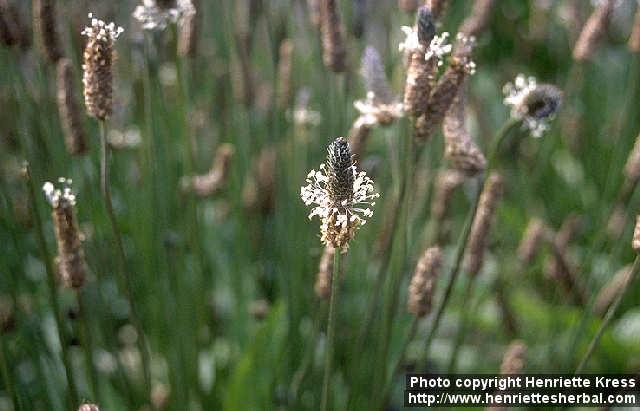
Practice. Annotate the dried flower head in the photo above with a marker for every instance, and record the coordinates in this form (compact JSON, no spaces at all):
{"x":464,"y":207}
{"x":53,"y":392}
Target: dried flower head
{"x":88,"y":407}
{"x":340,"y":195}
{"x":322,"y":287}
{"x":535,"y":104}
{"x":593,"y":31}
{"x":612,"y":290}
{"x":98,"y":70}
{"x":44,"y":23}
{"x":158,"y":14}
{"x":70,"y":260}
{"x":423,"y":282}
{"x":70,"y":115}
{"x":217,"y":177}
{"x":460,"y":149}
{"x":334,"y":51}
{"x":482,"y":222}
{"x":534,"y":236}
{"x":358,"y":136}
{"x":514,"y":358}
{"x":375,"y":79}
{"x":478,"y":19}
{"x":635,"y":244}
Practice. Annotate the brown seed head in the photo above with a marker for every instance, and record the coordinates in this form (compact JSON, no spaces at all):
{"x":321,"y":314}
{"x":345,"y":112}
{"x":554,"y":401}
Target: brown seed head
{"x":217,"y":177}
{"x":514,"y":358}
{"x":481,"y":228}
{"x":188,"y":32}
{"x":460,"y":149}
{"x":421,"y":72}
{"x":285,"y":64}
{"x":532,"y":240}
{"x":322,"y":286}
{"x":358,"y":136}
{"x":446,"y":183}
{"x":70,"y":260}
{"x":560,"y":268}
{"x":612,"y":290}
{"x":98,"y":70}
{"x":423,"y":282}
{"x":334,"y":52}
{"x":593,"y":31}
{"x":44,"y":23}
{"x":69,"y":111}
{"x":478,"y":19}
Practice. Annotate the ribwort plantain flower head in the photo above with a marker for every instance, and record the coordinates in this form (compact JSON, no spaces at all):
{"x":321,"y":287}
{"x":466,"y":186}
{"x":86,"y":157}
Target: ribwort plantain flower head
{"x":535,"y":104}
{"x":157,"y":14}
{"x":340,"y":196}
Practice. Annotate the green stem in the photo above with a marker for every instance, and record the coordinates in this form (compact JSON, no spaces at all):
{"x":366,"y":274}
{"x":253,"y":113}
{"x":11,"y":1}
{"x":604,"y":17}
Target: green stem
{"x":462,"y":328}
{"x":6,"y":376}
{"x":87,"y":346}
{"x":609,"y":316}
{"x":53,"y":294}
{"x":403,"y":352}
{"x":500,"y":137}
{"x":331,"y":329}
{"x":124,"y":272}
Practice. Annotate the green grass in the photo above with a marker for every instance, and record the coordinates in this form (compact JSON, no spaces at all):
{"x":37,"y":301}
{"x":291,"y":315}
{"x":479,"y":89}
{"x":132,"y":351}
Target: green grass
{"x":197,"y":264}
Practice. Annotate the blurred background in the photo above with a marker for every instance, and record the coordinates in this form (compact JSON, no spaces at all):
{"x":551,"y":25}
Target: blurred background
{"x":222,"y":276}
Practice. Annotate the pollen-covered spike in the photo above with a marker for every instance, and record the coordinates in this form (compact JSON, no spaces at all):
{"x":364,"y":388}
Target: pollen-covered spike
{"x":423,"y":282}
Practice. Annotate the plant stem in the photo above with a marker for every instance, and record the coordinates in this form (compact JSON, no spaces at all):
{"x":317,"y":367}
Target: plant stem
{"x":331,"y":326}
{"x":464,"y":322}
{"x":124,"y":272}
{"x":403,"y":352}
{"x":6,"y":376}
{"x":87,"y":346}
{"x":609,"y":316}
{"x":53,"y":294}
{"x":500,"y":137}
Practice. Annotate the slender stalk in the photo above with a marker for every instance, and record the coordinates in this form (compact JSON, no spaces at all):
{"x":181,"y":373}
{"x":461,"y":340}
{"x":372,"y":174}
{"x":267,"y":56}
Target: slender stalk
{"x":500,"y":137}
{"x":331,"y":329}
{"x":608,"y":317}
{"x":403,"y":352}
{"x":6,"y":377}
{"x":87,"y":346}
{"x":124,"y":272}
{"x":462,"y":328}
{"x":73,"y":397}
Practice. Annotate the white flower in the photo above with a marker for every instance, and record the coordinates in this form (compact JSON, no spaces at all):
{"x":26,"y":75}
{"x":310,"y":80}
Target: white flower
{"x":535,"y":104}
{"x":101,"y":30}
{"x":438,"y":48}
{"x":153,"y":17}
{"x":373,"y":113}
{"x":339,"y":219}
{"x":59,"y":197}
{"x":411,"y":42}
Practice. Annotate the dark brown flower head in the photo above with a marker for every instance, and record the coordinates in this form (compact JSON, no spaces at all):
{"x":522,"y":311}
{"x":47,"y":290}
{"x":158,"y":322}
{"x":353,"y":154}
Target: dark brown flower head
{"x":340,"y":171}
{"x":70,"y":260}
{"x":423,"y":282}
{"x":98,"y":70}
{"x":166,"y":4}
{"x":593,"y":31}
{"x":425,"y":22}
{"x":70,"y":114}
{"x":334,"y":51}
{"x":482,"y":223}
{"x":44,"y":22}
{"x":535,"y":104}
